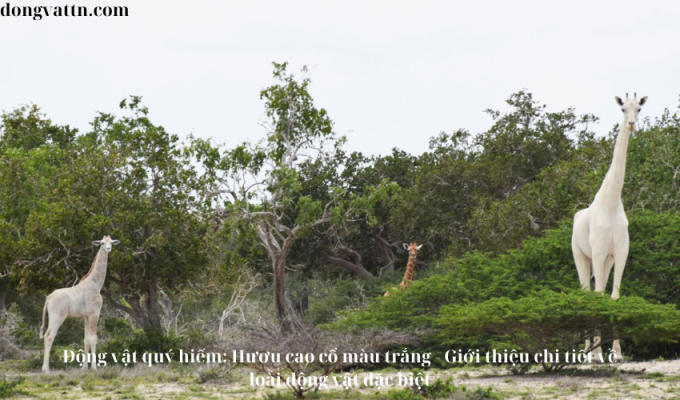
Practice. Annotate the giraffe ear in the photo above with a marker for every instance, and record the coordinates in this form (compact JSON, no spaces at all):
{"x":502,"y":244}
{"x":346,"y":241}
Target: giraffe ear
{"x":418,"y":248}
{"x":643,"y":101}
{"x":97,"y":242}
{"x":618,"y":100}
{"x":405,"y":246}
{"x":115,"y":242}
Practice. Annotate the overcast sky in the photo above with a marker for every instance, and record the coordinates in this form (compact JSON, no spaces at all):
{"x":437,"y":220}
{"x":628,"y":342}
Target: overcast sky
{"x":389,"y":73}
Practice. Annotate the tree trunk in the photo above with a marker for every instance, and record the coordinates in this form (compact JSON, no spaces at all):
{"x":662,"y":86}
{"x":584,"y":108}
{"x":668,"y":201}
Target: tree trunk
{"x":278,"y":253}
{"x":382,"y":243}
{"x":151,"y":303}
{"x":147,"y":316}
{"x":355,"y":267}
{"x":288,"y":321}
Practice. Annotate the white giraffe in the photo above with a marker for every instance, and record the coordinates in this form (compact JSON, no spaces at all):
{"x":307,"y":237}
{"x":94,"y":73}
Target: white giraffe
{"x":83,"y":300}
{"x":600,"y":237}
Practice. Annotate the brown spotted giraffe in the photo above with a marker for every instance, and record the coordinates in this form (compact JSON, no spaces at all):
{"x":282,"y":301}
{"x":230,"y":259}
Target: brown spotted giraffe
{"x":82,"y":300}
{"x":410,"y":267}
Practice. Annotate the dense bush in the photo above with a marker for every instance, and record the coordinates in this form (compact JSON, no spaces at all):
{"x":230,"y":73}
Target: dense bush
{"x":560,"y":322}
{"x":544,"y":263}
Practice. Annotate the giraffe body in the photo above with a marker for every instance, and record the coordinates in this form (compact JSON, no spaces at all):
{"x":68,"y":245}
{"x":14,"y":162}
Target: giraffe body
{"x":83,"y":300}
{"x":600,"y":238}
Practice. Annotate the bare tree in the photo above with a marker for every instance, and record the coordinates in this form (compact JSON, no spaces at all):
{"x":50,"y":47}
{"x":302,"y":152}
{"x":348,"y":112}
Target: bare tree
{"x":243,"y":286}
{"x":170,"y":316}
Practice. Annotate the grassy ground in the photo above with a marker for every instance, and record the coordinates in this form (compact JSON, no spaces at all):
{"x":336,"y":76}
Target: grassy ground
{"x":651,"y":380}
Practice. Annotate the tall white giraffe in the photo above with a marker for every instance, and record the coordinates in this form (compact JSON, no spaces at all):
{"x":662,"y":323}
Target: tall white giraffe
{"x":83,"y":300}
{"x":600,"y":237}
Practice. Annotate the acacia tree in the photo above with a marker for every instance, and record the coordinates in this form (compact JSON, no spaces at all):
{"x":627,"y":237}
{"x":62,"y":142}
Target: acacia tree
{"x":260,"y":183}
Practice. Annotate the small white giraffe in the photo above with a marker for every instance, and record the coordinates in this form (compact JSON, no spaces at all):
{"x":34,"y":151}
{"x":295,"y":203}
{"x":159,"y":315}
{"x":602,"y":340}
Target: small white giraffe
{"x":600,"y":238}
{"x":83,"y":300}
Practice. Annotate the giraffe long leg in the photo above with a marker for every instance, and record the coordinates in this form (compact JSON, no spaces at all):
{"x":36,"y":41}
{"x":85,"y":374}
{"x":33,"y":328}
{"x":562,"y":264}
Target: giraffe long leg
{"x":584,"y":273}
{"x":55,"y":322}
{"x":621,"y":256}
{"x":93,"y":322}
{"x":599,"y":260}
{"x":583,"y":269}
{"x":86,"y":346}
{"x":608,"y":264}
{"x":607,"y":268}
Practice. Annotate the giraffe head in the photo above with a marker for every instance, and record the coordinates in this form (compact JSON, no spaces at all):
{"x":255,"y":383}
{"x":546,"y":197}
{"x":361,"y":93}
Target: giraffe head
{"x":107,"y":243}
{"x":631,"y":109}
{"x":412,"y":249}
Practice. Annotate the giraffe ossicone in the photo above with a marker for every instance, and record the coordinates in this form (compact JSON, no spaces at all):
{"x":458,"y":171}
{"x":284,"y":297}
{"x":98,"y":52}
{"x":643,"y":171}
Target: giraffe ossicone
{"x":83,"y":300}
{"x":600,"y":238}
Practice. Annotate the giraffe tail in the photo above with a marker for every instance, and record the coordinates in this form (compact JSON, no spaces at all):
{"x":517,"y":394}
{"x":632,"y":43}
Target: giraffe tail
{"x":43,"y":321}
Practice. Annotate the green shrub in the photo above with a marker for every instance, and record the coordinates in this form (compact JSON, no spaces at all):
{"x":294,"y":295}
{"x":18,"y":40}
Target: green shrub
{"x":555,"y":321}
{"x":652,"y":273}
{"x":8,"y":388}
{"x":439,"y":389}
{"x":142,"y":342}
{"x":403,"y":394}
{"x":483,"y":394}
{"x":117,"y":327}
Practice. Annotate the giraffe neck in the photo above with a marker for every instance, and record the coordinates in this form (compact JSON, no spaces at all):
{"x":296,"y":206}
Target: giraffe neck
{"x":97,"y":273}
{"x":612,"y":186}
{"x":410,"y":267}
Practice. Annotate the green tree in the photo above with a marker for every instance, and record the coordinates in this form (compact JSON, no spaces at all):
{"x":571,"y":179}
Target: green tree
{"x":131,"y":179}
{"x":261,"y":183}
{"x":32,"y":149}
{"x":462,"y":176}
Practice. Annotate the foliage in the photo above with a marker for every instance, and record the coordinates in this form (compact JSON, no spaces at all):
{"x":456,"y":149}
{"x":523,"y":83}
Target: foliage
{"x":463,"y":174}
{"x":560,"y":322}
{"x":130,"y":179}
{"x":8,"y":388}
{"x":439,"y":389}
{"x":142,"y":342}
{"x":261,"y":183}
{"x":403,"y":394}
{"x":544,"y":263}
{"x":443,"y":390}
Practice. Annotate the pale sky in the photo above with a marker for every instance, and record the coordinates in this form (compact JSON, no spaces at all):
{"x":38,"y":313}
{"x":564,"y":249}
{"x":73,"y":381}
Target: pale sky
{"x":390,"y":74}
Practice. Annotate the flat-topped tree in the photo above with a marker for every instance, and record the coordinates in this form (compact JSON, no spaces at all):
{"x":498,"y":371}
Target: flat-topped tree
{"x":259,"y":182}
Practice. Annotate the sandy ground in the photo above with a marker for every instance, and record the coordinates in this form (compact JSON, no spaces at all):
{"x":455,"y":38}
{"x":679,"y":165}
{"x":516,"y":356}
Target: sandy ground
{"x":639,"y":380}
{"x":642,"y":380}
